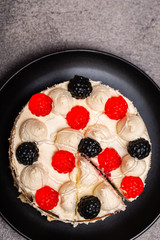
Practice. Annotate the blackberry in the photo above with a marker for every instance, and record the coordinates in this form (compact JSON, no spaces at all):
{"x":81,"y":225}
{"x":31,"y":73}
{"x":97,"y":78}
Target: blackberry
{"x":139,"y":148}
{"x":79,"y":87}
{"x":27,"y":153}
{"x":89,"y":207}
{"x":89,"y":147}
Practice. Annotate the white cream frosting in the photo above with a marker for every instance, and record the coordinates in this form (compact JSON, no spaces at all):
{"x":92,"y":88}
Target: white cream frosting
{"x":33,"y":177}
{"x":99,"y":96}
{"x":108,"y":198}
{"x":68,"y":193}
{"x":132,"y":167}
{"x":130,"y":127}
{"x":88,"y":175}
{"x":100,"y":133}
{"x":33,"y":130}
{"x":68,"y":139}
{"x":62,"y":100}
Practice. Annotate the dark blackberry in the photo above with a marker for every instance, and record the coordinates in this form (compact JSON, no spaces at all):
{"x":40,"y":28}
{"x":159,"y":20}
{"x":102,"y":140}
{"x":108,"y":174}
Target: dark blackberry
{"x":79,"y":87}
{"x":89,"y":207}
{"x":27,"y":153}
{"x":89,"y":147}
{"x":139,"y":148}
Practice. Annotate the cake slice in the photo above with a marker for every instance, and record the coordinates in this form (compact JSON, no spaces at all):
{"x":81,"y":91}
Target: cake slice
{"x":96,"y":198}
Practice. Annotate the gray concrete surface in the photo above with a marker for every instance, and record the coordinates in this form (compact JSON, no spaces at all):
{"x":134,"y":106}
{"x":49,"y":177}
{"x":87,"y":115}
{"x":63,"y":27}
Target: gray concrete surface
{"x":32,"y":28}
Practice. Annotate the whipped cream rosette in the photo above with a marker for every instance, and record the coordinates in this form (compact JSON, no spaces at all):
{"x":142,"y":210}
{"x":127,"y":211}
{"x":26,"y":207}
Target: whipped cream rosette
{"x":130,"y":127}
{"x":33,"y":130}
{"x":77,"y":149}
{"x":87,"y":174}
{"x":132,"y":167}
{"x":33,"y":177}
{"x":110,"y":201}
{"x":62,"y":100}
{"x":68,"y":139}
{"x":68,"y":193}
{"x":99,"y":96}
{"x":100,"y":133}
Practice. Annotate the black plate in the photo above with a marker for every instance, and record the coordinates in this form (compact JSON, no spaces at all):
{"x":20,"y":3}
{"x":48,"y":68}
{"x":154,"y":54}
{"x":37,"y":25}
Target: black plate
{"x":56,"y":68}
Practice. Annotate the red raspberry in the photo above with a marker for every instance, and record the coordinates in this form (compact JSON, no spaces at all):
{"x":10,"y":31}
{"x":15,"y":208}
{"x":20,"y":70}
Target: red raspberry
{"x":132,"y":186}
{"x":109,"y":160}
{"x":78,"y":117}
{"x":116,"y":107}
{"x":47,"y":198}
{"x":63,"y":161}
{"x":40,"y":104}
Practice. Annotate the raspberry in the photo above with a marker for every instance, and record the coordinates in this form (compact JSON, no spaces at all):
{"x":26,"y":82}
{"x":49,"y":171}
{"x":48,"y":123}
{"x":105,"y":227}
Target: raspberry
{"x":139,"y":148}
{"x":47,"y":198}
{"x":89,"y":207}
{"x":89,"y":147}
{"x":79,"y":87}
{"x":40,"y":104}
{"x":132,"y":186}
{"x":109,"y":160}
{"x":116,"y":107}
{"x":78,"y":117}
{"x":27,"y":153}
{"x":63,"y":161}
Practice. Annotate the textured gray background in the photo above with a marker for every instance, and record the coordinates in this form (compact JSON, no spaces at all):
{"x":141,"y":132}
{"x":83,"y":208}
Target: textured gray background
{"x":32,"y":28}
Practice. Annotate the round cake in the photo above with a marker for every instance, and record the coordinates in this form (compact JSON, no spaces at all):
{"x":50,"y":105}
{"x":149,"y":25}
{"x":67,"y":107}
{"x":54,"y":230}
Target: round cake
{"x":79,"y":149}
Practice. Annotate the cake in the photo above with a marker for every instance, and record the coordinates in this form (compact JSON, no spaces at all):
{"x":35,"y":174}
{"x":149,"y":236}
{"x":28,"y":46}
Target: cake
{"x":79,"y":149}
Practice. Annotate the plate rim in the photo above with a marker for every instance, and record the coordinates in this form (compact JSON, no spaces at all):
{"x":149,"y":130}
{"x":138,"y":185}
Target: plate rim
{"x":4,"y":85}
{"x":79,"y":50}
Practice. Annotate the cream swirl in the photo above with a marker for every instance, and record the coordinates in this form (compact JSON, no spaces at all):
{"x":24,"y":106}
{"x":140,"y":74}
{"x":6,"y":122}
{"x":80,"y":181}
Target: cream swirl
{"x":68,"y":139}
{"x":130,"y":127}
{"x":88,"y":175}
{"x":33,"y":130}
{"x":108,"y":198}
{"x":132,"y":166}
{"x":62,"y":101}
{"x":98,"y":97}
{"x":100,"y":133}
{"x":68,"y":193}
{"x":33,"y":177}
